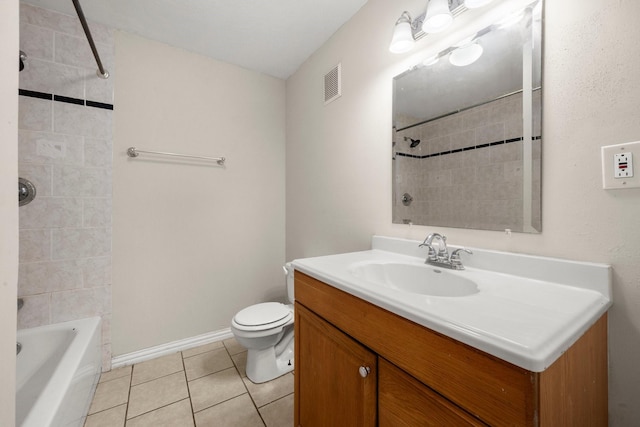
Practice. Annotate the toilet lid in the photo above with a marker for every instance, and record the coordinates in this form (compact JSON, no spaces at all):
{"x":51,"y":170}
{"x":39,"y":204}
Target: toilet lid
{"x":262,"y":314}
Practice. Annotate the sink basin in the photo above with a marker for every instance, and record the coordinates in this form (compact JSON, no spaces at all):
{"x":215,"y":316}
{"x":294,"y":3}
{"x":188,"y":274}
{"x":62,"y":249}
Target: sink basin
{"x":415,"y":278}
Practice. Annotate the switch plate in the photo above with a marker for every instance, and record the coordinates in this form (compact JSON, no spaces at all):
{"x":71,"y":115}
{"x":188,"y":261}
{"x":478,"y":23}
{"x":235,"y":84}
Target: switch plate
{"x":617,"y":165}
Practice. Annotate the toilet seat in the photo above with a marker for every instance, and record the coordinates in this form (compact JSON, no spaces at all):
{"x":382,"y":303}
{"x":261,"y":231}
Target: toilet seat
{"x":266,"y":315}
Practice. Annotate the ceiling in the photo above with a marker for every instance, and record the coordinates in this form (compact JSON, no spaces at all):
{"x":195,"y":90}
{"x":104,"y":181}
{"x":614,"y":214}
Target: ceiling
{"x":273,"y":37}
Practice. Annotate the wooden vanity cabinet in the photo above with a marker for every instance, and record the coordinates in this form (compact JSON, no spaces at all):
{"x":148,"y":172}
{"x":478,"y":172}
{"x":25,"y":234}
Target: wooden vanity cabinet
{"x":420,"y":377}
{"x":333,"y":390}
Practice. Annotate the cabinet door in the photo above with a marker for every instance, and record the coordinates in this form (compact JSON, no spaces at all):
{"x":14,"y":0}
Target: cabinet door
{"x":331,"y":388}
{"x":405,"y":401}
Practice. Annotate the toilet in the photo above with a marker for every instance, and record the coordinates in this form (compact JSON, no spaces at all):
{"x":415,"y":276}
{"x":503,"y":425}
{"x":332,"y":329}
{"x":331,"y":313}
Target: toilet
{"x":266,"y":331}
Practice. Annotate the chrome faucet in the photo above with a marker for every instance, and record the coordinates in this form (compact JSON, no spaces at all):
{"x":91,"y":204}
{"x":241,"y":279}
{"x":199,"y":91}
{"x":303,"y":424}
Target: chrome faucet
{"x":443,"y":252}
{"x":441,"y":257}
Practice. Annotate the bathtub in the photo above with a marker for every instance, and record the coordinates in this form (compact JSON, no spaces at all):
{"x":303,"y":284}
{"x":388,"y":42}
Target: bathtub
{"x":57,"y":372}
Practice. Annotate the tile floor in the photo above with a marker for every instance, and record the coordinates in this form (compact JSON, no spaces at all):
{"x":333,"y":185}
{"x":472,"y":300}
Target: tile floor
{"x":202,"y":386}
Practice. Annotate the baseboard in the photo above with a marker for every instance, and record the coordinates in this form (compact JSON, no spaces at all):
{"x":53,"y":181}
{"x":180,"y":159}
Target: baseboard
{"x":168,"y":348}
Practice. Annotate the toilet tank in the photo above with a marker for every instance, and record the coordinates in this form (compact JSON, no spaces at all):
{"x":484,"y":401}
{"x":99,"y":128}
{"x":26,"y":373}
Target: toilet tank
{"x":289,"y":272}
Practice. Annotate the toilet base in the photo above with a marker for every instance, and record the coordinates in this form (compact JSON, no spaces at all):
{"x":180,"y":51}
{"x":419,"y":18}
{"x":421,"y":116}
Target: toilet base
{"x":270,"y":363}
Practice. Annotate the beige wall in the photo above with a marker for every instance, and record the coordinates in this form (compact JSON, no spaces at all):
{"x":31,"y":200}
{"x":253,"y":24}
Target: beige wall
{"x":339,"y":162}
{"x":8,"y":206}
{"x":193,"y":243}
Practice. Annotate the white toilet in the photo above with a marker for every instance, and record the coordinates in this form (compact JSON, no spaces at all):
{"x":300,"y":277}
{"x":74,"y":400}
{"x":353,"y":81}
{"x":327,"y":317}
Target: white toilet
{"x":266,"y":330}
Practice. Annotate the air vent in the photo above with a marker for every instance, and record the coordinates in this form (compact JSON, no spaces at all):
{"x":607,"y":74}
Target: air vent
{"x":333,"y":84}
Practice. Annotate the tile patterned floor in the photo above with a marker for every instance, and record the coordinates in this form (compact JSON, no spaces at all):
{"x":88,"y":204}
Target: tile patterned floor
{"x":199,"y":387}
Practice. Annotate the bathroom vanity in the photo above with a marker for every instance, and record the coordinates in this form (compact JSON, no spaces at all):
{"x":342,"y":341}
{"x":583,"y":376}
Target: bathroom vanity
{"x":370,"y":355}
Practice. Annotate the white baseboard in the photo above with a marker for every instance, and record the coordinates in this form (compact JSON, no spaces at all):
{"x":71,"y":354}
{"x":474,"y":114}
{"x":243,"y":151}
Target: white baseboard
{"x":168,"y":348}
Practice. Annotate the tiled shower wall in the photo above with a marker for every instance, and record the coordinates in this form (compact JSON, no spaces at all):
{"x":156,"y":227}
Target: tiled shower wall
{"x":457,"y":179}
{"x":65,"y":149}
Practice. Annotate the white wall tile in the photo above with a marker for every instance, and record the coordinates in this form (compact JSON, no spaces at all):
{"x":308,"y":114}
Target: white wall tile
{"x":35,"y":113}
{"x":81,"y":120}
{"x":81,"y":182}
{"x":97,"y":212}
{"x":462,"y":139}
{"x":35,"y":245}
{"x":99,"y":89}
{"x":106,"y":357}
{"x":36,"y":311}
{"x":66,"y":267}
{"x":506,"y":153}
{"x":439,"y":178}
{"x":106,"y":328}
{"x":47,"y":147}
{"x":98,"y":153}
{"x":49,"y":77}
{"x":96,"y":272}
{"x":36,"y":42}
{"x":78,"y":243}
{"x":40,"y":175}
{"x":49,"y":19}
{"x":513,"y":171}
{"x":490,"y":133}
{"x":75,"y":51}
{"x":473,"y":119}
{"x":51,"y":212}
{"x":46,"y":277}
{"x":78,"y":304}
{"x":102,"y":34}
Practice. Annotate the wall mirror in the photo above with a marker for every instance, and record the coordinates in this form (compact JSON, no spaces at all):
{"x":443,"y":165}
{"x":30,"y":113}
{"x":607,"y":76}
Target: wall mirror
{"x":467,"y":131}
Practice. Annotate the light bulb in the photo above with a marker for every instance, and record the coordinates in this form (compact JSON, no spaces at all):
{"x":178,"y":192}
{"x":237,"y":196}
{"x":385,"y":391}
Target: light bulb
{"x":402,"y":40}
{"x":466,"y":55}
{"x":438,"y":16}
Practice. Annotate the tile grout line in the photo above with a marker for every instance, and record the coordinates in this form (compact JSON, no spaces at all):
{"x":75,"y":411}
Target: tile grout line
{"x":189,"y":396}
{"x":275,"y":400}
{"x":245,"y":386}
{"x":231,"y":398}
{"x":184,"y":368}
{"x":126,"y":412}
{"x":148,"y":381}
{"x":159,"y":407}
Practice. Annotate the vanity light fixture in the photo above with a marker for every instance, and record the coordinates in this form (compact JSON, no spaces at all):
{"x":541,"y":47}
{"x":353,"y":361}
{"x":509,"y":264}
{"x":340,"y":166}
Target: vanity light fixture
{"x":402,"y":40}
{"x":474,"y":4}
{"x":438,"y":16}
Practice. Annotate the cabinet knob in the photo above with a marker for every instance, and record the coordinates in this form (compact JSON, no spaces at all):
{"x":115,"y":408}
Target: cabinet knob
{"x":364,"y":371}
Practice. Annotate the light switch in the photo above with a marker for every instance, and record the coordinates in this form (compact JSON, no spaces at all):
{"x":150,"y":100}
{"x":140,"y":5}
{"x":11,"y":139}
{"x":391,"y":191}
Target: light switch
{"x":617,"y":165}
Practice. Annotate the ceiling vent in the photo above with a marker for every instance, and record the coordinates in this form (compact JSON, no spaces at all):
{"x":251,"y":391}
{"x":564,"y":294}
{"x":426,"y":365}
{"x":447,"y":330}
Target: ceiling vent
{"x":333,"y":84}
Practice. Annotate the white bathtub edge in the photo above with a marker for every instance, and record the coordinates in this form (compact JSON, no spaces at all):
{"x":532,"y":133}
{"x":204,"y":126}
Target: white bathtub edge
{"x":62,"y":387}
{"x":168,"y":348}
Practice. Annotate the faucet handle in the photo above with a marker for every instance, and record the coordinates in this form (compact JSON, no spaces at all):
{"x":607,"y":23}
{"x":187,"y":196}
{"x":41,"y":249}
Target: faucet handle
{"x":456,"y":253}
{"x":455,"y":257}
{"x":432,"y":252}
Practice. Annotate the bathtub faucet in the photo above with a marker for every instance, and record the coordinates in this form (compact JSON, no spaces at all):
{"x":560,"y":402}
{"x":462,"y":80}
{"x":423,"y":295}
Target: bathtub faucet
{"x":442,"y":258}
{"x":20,"y":303}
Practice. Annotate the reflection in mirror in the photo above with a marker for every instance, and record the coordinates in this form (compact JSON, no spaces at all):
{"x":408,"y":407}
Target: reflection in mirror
{"x":467,"y":138}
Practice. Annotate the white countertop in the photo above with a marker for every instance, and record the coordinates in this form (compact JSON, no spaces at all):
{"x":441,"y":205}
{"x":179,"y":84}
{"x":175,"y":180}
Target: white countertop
{"x":528,"y":311}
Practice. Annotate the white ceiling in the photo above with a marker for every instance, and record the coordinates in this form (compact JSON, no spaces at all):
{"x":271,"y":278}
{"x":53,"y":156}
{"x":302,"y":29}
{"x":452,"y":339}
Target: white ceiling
{"x":270,"y":36}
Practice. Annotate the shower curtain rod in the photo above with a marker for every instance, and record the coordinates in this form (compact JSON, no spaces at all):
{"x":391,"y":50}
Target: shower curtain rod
{"x":101,"y":71}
